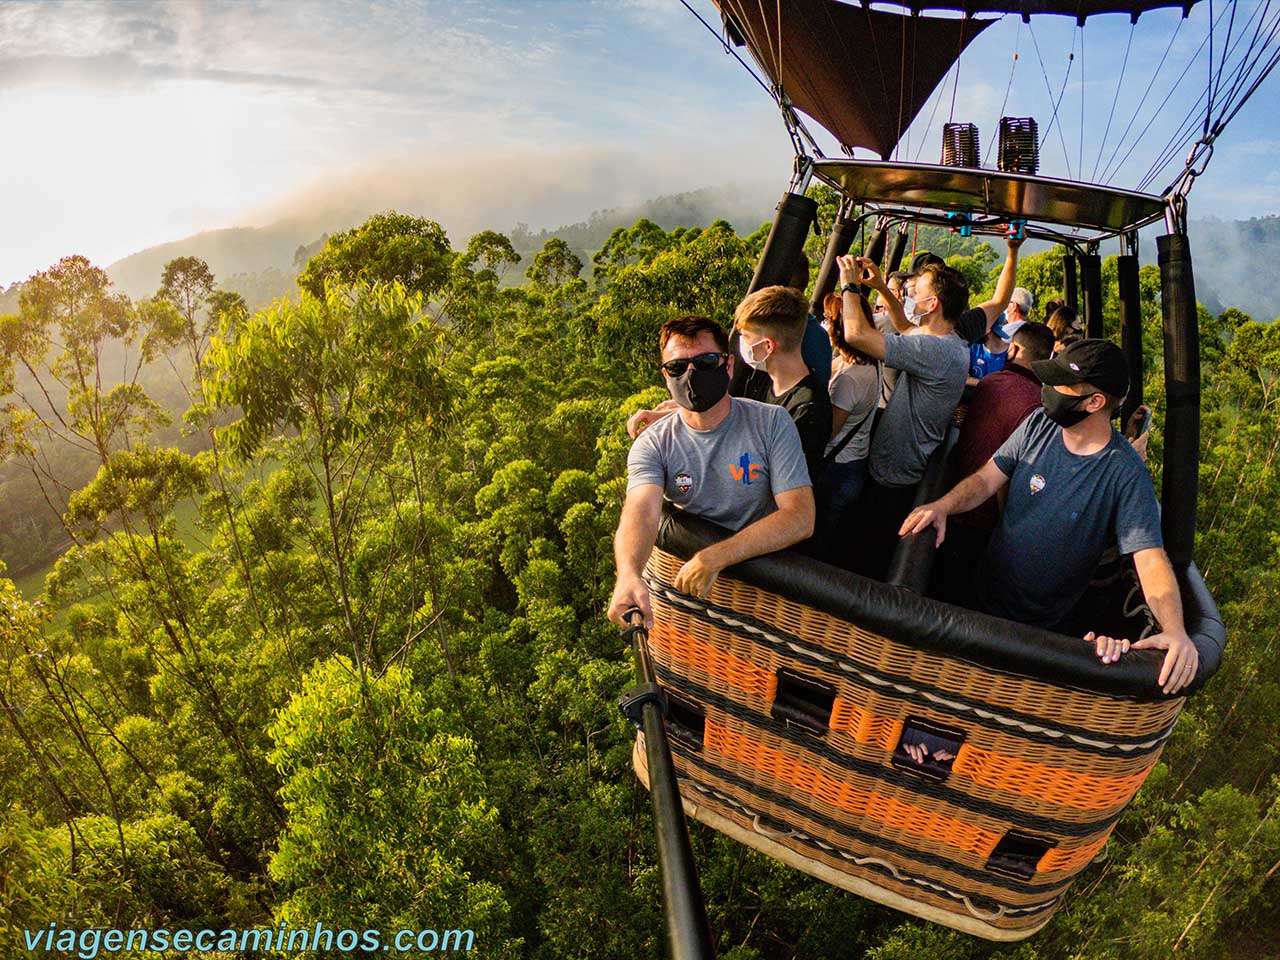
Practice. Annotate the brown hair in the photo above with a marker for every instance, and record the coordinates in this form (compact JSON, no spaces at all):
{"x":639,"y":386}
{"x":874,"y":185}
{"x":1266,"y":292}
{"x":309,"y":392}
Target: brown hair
{"x":1062,"y":322}
{"x":690,"y":328}
{"x":836,"y":320}
{"x":831,"y":305}
{"x":778,"y":312}
{"x":949,"y":286}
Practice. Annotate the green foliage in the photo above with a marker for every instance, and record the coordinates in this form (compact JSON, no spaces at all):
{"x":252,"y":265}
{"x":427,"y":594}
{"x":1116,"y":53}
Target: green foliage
{"x":387,"y":810}
{"x":376,"y":686}
{"x":554,"y":266}
{"x":387,"y":247}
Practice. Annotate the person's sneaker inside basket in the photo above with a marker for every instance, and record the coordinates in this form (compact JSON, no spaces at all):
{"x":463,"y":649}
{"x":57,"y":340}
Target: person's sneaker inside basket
{"x":733,"y":461}
{"x":1076,"y":486}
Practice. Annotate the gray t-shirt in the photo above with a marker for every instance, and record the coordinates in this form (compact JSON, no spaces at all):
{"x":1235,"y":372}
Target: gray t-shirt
{"x":1064,"y":510}
{"x":931,"y":382}
{"x":854,"y":387}
{"x":729,"y":475}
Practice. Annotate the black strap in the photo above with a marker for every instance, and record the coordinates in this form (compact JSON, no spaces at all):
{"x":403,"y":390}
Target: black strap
{"x":830,"y":458}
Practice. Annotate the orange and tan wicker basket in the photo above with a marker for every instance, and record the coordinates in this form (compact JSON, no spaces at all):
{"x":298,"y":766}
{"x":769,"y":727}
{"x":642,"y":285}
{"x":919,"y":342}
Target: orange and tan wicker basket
{"x":799,"y":697}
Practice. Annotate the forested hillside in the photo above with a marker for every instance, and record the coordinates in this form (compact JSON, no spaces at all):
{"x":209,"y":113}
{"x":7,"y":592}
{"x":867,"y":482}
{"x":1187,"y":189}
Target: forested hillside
{"x":377,"y":689}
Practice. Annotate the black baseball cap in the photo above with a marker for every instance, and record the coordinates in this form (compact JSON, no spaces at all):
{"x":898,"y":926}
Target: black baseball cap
{"x":922,"y":260}
{"x":1099,"y":363}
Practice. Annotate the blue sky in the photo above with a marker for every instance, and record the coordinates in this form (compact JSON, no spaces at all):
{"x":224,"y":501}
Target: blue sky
{"x":135,"y":123}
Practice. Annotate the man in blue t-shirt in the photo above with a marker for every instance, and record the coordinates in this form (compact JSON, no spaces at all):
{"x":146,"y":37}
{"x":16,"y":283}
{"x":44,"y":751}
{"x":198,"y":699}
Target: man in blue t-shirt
{"x":1076,"y":487}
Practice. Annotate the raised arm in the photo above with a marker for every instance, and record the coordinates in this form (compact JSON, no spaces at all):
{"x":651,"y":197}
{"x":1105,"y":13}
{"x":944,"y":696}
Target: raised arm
{"x":859,"y":331}
{"x":632,"y":544}
{"x":789,"y":524}
{"x":1004,"y":286}
{"x":977,"y":488}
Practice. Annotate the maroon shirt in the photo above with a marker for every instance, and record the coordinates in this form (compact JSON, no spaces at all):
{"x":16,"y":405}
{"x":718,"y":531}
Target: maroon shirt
{"x":1000,"y":402}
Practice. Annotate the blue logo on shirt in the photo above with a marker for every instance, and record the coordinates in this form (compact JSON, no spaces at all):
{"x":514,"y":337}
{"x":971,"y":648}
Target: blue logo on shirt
{"x":745,"y":470}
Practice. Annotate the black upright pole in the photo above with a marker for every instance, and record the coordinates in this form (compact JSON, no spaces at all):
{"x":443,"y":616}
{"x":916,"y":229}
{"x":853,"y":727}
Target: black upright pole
{"x":688,"y":933}
{"x":782,"y":251}
{"x":843,"y":232}
{"x":896,"y":249}
{"x":1182,"y":397}
{"x":784,"y":247}
{"x":1091,"y":287}
{"x":874,"y":251}
{"x":1070,"y":291}
{"x":1130,"y":330}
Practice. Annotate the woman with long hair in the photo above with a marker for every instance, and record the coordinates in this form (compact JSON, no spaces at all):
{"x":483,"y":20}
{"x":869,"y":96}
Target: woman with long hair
{"x":1065,"y":324}
{"x":855,"y":392}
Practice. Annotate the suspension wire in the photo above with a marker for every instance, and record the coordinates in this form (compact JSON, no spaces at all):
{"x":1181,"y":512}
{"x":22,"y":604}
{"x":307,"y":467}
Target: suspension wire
{"x":1114,"y":100}
{"x":1106,"y":170}
{"x":1247,"y":65}
{"x":1177,"y":83}
{"x":1243,"y":68}
{"x":793,"y":120}
{"x":1217,"y":80}
{"x":728,"y":48}
{"x":1240,"y":72}
{"x":915,"y":35}
{"x":956,"y":85}
{"x":1271,"y":65}
{"x":1003,"y":103}
{"x":937,"y":100}
{"x":902,"y":89}
{"x":844,"y":47}
{"x":875,"y":48}
{"x":1080,"y":168}
{"x":1175,"y":144}
{"x":768,"y":36}
{"x":1048,"y":87}
{"x":1208,"y":113}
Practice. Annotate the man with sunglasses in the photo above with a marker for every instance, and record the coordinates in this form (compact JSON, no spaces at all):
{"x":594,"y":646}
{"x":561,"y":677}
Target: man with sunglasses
{"x":769,"y":333}
{"x":733,"y":461}
{"x":1076,"y":487}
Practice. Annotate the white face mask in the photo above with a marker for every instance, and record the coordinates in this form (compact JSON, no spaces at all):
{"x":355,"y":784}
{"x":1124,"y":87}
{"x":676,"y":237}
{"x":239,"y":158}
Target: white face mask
{"x":748,"y":350}
{"x":914,"y":313}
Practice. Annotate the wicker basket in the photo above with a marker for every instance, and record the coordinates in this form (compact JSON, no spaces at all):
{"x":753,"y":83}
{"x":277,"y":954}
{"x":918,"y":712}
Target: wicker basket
{"x":789,"y":725}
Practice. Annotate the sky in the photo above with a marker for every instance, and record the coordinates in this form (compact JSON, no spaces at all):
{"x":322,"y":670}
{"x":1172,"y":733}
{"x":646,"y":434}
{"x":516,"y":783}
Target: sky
{"x":134,"y":123}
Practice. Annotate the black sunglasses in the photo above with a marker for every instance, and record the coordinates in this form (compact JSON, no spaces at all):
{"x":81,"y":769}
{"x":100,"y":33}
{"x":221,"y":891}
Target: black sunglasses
{"x":703,"y":361}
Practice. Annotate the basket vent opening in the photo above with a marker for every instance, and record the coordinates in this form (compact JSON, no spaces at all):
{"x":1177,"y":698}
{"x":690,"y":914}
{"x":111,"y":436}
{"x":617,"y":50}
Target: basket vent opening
{"x":1017,"y":854}
{"x":686,"y":722}
{"x":804,"y":701}
{"x":927,"y":748}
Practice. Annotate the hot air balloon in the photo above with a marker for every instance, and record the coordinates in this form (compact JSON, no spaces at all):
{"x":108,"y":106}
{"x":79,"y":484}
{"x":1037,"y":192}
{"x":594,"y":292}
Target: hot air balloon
{"x":792,"y":694}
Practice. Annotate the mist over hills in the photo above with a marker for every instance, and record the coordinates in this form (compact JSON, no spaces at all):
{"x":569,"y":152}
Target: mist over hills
{"x":1234,"y":259}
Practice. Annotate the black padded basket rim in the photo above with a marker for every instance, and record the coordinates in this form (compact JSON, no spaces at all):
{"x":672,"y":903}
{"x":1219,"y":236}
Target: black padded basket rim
{"x":950,"y":631}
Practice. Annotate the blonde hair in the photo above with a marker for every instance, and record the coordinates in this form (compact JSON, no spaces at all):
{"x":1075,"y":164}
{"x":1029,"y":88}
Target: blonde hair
{"x":777,"y":312}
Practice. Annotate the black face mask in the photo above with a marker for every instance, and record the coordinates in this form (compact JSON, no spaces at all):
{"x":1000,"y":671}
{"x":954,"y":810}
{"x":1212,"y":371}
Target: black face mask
{"x":1062,"y":408}
{"x":699,"y":390}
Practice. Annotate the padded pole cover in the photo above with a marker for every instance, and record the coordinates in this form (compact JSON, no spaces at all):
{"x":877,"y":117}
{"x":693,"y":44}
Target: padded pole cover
{"x":1182,"y":392}
{"x":1091,"y":285}
{"x":1131,"y":331}
{"x":912,"y":563}
{"x":896,"y":250}
{"x":785,"y":244}
{"x":782,"y":251}
{"x":842,"y":235}
{"x":875,"y":251}
{"x":1070,"y":292}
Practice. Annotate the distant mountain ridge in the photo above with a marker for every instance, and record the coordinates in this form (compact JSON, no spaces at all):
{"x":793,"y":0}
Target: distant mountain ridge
{"x":1234,"y":259}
